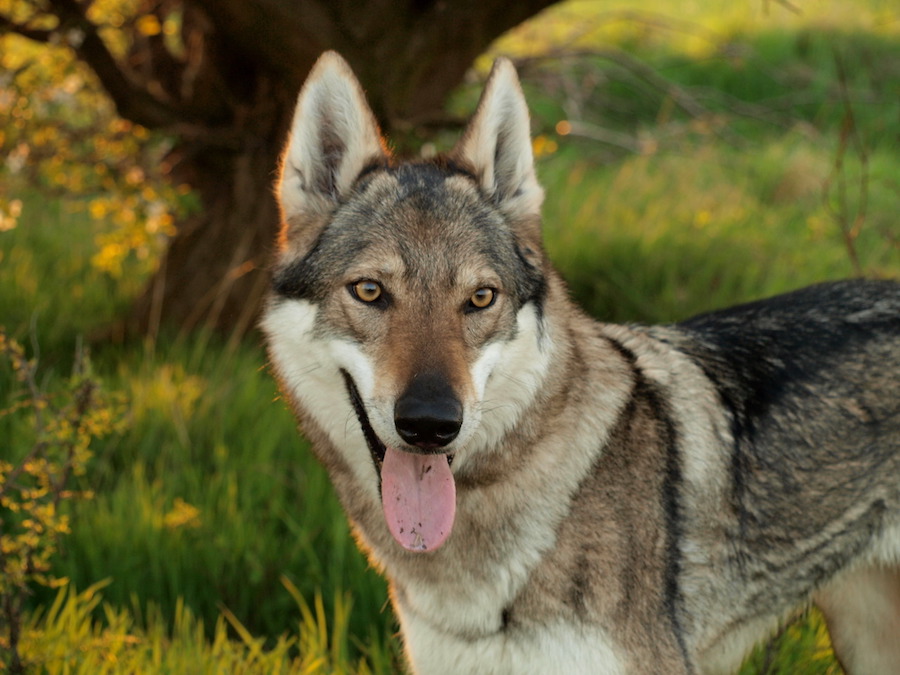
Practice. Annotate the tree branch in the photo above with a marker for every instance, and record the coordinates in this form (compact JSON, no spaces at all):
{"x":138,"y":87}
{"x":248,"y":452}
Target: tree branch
{"x":132,"y":101}
{"x":640,"y":70}
{"x":7,"y":25}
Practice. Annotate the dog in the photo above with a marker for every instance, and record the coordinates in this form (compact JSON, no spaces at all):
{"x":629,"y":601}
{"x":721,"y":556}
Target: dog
{"x":550,"y":494}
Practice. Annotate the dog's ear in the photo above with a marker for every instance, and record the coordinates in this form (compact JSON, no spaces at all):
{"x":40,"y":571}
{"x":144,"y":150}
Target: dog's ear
{"x":497,"y":145}
{"x":334,"y":136}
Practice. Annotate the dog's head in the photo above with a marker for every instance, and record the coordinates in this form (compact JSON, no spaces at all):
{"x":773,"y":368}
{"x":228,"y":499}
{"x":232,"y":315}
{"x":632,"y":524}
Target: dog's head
{"x":406,"y":320}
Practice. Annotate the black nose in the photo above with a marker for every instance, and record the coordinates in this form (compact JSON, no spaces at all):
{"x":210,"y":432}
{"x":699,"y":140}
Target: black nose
{"x":428,"y":414}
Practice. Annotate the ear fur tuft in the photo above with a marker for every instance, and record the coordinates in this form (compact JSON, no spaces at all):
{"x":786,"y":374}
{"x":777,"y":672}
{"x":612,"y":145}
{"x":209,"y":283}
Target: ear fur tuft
{"x":334,"y":136}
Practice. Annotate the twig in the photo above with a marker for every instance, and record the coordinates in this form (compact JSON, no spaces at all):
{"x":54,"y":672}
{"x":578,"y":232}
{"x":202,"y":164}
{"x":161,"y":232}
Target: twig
{"x":789,"y":6}
{"x":607,"y":136}
{"x":642,"y":71}
{"x":27,"y":371}
{"x":850,"y":225}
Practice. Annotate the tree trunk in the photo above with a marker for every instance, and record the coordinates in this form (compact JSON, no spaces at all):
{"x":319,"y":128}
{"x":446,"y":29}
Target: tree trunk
{"x":214,"y":272}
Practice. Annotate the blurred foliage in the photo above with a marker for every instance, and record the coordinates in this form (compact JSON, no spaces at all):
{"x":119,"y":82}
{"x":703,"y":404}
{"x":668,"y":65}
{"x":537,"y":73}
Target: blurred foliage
{"x":35,"y":479}
{"x":68,"y":639}
{"x":800,"y":647}
{"x":63,"y":137}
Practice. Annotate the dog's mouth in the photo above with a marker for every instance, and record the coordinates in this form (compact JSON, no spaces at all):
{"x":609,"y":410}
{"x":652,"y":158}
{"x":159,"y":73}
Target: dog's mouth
{"x":376,"y":448}
{"x":418,"y":492}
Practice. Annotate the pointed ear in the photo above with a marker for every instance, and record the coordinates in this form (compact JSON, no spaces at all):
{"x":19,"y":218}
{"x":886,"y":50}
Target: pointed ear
{"x":334,"y":136}
{"x":497,"y":145}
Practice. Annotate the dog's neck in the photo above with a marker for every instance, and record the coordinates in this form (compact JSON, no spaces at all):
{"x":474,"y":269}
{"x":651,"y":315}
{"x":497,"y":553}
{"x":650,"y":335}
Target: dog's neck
{"x":464,"y":587}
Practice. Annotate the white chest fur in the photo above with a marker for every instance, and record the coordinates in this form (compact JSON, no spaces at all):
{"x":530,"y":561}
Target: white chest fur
{"x":556,"y":648}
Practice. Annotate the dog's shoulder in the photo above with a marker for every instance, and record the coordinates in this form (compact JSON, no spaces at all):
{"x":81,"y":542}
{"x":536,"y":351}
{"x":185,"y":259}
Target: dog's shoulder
{"x":814,"y":332}
{"x":788,"y":366}
{"x":872,"y":304}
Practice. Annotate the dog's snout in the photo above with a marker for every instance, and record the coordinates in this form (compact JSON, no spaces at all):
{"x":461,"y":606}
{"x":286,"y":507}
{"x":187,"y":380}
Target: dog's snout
{"x":428,"y":414}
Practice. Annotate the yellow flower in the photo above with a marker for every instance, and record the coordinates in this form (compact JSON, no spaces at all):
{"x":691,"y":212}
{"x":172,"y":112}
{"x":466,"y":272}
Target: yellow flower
{"x":182,"y":515}
{"x":148,"y":25}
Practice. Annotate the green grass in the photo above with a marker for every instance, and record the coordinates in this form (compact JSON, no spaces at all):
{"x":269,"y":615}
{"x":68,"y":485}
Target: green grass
{"x":210,"y":500}
{"x":210,"y":497}
{"x":48,"y":279}
{"x":662,"y":237}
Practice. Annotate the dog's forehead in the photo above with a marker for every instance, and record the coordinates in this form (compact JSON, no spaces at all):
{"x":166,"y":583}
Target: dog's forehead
{"x":424,"y":210}
{"x":427,"y":197}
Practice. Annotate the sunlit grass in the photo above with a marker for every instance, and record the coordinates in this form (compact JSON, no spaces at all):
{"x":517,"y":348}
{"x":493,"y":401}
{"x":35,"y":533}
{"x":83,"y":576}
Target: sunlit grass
{"x":698,"y":28}
{"x":659,"y":238}
{"x":67,"y":637}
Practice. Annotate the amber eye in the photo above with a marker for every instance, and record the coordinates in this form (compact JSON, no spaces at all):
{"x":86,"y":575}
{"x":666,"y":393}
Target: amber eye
{"x":366,"y":291}
{"x":482,"y":298}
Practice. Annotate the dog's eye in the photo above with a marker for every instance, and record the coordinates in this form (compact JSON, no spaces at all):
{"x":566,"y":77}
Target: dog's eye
{"x":482,"y":299}
{"x":366,"y":291}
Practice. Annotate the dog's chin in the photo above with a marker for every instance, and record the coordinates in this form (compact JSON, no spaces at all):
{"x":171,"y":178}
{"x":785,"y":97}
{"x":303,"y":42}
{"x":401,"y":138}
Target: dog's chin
{"x":418,"y":492}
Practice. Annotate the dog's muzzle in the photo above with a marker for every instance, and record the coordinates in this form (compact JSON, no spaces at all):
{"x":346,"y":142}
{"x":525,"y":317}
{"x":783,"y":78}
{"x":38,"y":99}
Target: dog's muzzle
{"x":418,"y":492}
{"x":428,"y":415}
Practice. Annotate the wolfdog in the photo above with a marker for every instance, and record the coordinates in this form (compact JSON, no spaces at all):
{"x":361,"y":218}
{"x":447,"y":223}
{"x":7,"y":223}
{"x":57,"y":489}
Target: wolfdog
{"x":550,"y":494}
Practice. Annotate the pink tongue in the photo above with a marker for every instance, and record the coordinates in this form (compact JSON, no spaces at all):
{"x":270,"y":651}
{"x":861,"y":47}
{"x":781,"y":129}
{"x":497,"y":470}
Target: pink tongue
{"x":418,"y":496}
